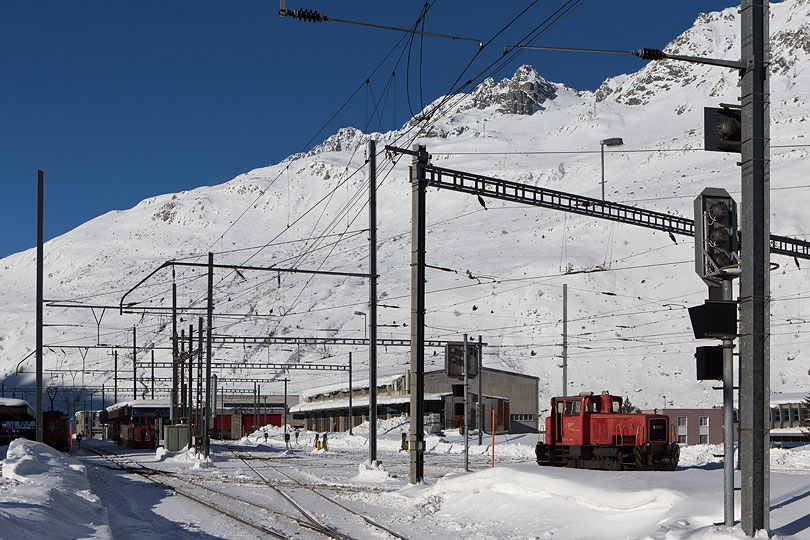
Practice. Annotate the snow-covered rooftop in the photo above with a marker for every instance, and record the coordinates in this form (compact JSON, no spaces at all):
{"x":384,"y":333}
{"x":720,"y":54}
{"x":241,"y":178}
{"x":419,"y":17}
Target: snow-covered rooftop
{"x":358,"y":402}
{"x":344,"y":386}
{"x":13,"y":402}
{"x":140,"y":404}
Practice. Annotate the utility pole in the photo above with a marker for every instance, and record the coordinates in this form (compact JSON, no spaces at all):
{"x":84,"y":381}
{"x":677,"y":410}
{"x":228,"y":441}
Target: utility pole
{"x":199,"y":375}
{"x":40,"y":292}
{"x":214,"y":411}
{"x":134,"y":364}
{"x":351,"y":411}
{"x":285,"y":405}
{"x":115,"y":376}
{"x":417,"y":372}
{"x":466,"y":423}
{"x":372,"y":298}
{"x":565,"y":341}
{"x":173,"y":393}
{"x":754,"y":278}
{"x":189,"y":399}
{"x":208,"y":353}
{"x":728,"y":418}
{"x":153,"y":373}
{"x":480,"y":392}
{"x":181,"y":365}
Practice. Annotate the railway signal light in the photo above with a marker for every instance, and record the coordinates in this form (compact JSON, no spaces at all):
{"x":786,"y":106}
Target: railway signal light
{"x":716,"y":245}
{"x":454,"y":359}
{"x":709,"y":363}
{"x":722,"y":131}
{"x":714,"y":319}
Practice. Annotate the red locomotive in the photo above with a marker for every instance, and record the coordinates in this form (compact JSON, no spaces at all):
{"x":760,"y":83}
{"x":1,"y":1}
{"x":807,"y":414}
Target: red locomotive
{"x":591,"y":432}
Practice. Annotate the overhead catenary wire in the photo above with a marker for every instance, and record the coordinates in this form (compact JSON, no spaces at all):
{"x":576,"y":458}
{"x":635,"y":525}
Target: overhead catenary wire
{"x":315,"y":16}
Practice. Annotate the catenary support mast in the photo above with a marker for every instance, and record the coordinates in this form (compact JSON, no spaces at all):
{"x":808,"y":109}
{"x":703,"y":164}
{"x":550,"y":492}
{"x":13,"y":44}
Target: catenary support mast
{"x":754,"y":278}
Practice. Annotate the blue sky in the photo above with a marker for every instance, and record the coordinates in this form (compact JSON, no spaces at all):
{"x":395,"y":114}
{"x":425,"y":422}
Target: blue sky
{"x":119,"y":101}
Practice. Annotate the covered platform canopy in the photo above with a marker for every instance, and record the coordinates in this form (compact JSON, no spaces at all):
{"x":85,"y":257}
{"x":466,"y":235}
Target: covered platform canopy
{"x":12,"y":409}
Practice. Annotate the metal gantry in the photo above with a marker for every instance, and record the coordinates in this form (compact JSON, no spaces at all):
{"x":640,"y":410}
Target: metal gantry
{"x":257,"y":365}
{"x":424,"y":175}
{"x":505,"y":190}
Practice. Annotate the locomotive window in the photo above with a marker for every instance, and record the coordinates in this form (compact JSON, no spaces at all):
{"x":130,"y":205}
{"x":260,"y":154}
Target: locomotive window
{"x":593,"y":405}
{"x":617,"y":405}
{"x":573,"y":408}
{"x":560,"y":407}
{"x":658,"y":430}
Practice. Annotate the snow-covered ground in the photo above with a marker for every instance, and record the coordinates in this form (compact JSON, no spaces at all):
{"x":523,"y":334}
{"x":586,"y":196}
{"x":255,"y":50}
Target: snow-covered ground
{"x":46,"y":494}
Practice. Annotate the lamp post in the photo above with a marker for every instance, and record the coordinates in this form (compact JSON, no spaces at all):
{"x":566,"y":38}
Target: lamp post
{"x":615,"y":141}
{"x":365,"y":323}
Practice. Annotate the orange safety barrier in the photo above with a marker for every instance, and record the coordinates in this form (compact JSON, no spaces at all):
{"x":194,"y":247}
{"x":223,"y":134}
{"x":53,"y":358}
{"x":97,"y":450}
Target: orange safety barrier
{"x":493,"y":437}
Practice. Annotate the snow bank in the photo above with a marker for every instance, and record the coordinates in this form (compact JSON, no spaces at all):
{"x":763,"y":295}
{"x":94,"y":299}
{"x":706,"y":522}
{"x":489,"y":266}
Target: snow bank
{"x":188,"y":457}
{"x":372,"y":473}
{"x":508,"y":501}
{"x":797,"y":459}
{"x":45,"y":494}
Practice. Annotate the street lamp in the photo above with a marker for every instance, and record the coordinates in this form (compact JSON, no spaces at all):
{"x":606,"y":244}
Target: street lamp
{"x":365,"y":323}
{"x":615,"y":141}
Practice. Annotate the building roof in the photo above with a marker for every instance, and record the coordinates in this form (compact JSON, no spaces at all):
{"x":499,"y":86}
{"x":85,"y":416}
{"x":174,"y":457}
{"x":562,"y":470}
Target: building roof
{"x":493,"y":370}
{"x":358,"y":402}
{"x":13,"y":402}
{"x":789,"y":431}
{"x":16,"y":409}
{"x":344,"y":386}
{"x":141,"y":404}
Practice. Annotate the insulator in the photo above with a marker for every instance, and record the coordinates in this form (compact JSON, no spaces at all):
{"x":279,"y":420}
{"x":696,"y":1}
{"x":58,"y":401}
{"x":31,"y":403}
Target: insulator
{"x":650,"y":54}
{"x":309,"y":15}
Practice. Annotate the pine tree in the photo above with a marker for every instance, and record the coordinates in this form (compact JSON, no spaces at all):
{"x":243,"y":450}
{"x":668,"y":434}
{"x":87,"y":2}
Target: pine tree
{"x":628,"y":407}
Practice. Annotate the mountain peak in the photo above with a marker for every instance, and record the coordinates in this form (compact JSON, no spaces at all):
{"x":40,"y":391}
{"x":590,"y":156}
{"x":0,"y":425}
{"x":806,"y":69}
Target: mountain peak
{"x":524,"y":93}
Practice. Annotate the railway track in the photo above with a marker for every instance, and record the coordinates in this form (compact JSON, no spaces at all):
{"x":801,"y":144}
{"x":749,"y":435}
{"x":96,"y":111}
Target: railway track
{"x":247,"y":458}
{"x":169,"y":480}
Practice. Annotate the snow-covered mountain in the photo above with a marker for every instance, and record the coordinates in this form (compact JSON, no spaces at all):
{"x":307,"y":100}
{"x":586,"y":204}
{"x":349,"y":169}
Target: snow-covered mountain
{"x":505,"y":265}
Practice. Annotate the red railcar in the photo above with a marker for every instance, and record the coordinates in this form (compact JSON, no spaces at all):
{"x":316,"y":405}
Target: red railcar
{"x":590,"y":432}
{"x":56,"y":431}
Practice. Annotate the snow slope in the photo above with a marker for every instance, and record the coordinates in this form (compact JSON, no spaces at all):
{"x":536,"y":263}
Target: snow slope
{"x":628,"y":287}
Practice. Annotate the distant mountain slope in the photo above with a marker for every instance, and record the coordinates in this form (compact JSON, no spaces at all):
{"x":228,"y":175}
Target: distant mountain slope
{"x":504,"y":265}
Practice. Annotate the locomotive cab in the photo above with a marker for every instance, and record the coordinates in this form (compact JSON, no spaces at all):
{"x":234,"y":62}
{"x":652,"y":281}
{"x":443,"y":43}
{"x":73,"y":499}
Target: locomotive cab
{"x":591,"y":431}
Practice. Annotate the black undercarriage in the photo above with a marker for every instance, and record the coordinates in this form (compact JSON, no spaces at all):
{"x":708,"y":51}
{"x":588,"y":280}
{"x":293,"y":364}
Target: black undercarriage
{"x":644,"y":457}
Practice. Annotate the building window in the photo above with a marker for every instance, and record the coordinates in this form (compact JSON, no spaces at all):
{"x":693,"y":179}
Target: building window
{"x":681,"y":439}
{"x":704,"y":439}
{"x":522,"y":417}
{"x":776,"y":416}
{"x":795,"y":411}
{"x":681,"y":421}
{"x":704,"y":420}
